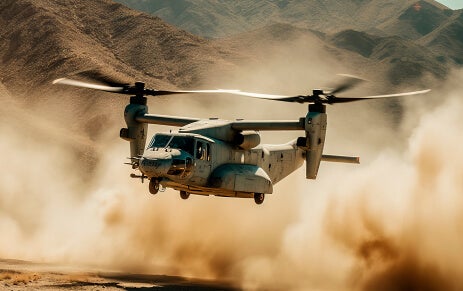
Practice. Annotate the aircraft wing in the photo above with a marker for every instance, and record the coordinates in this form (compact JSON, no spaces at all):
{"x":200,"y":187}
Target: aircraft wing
{"x":165,"y":119}
{"x":268,"y":124}
{"x":239,"y":125}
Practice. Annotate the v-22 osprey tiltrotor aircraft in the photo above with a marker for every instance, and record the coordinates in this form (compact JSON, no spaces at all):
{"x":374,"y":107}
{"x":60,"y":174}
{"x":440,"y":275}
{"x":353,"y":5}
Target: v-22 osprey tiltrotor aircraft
{"x":222,"y":157}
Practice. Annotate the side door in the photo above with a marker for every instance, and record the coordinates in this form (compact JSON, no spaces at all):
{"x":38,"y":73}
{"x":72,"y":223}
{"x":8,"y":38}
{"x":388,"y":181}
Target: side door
{"x":202,"y":161}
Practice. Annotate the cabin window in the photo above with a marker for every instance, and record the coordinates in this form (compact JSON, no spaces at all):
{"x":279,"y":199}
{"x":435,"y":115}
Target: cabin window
{"x":203,"y":151}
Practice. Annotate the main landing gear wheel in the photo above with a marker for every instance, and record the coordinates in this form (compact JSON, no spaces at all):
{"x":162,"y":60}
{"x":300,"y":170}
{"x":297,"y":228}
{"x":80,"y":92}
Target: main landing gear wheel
{"x":184,"y":195}
{"x":154,"y":186}
{"x":259,"y":198}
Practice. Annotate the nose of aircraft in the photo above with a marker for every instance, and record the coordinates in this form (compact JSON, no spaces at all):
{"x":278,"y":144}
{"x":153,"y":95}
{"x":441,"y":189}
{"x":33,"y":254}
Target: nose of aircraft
{"x":155,"y":166}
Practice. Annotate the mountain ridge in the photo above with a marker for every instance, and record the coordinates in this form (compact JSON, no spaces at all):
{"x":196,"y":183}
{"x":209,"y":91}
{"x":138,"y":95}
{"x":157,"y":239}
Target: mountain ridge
{"x":74,"y":37}
{"x":79,"y":38}
{"x":426,"y":27}
{"x":45,"y":40}
{"x":222,"y":18}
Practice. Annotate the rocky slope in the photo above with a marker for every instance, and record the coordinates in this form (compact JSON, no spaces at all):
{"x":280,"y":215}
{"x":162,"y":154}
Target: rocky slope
{"x":73,"y":36}
{"x":50,"y":38}
{"x":222,"y":18}
{"x":406,"y":60}
{"x":447,"y":40}
{"x":410,"y":39}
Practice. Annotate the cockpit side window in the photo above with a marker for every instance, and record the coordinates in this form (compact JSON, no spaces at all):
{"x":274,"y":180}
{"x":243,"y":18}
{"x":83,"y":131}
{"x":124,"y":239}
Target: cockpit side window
{"x":183,"y":143}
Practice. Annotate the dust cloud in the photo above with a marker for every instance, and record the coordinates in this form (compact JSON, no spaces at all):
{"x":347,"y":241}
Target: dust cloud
{"x":393,"y":223}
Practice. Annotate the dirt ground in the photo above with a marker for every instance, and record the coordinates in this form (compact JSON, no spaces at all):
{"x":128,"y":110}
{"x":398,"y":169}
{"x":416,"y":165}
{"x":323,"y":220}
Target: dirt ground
{"x":24,"y":275}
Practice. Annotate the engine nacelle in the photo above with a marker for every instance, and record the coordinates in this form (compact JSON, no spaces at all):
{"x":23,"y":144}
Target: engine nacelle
{"x":247,"y":139}
{"x":135,"y":132}
{"x":315,"y":130}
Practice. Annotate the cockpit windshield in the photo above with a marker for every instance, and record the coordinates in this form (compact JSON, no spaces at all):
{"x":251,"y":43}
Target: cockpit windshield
{"x":159,"y":141}
{"x":185,"y":143}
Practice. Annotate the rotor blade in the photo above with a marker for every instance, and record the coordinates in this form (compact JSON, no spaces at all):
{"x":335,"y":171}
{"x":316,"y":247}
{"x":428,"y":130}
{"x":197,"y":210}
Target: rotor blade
{"x":219,"y":91}
{"x":284,"y":98}
{"x":351,"y":99}
{"x":399,"y":94}
{"x":169,"y":92}
{"x":300,"y":98}
{"x":350,"y":82}
{"x":131,"y":90}
{"x":105,"y":79}
{"x":75,"y":83}
{"x":255,"y":95}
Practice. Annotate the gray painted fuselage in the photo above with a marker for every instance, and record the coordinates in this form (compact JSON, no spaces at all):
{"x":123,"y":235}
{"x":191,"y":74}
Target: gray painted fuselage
{"x":224,"y":170}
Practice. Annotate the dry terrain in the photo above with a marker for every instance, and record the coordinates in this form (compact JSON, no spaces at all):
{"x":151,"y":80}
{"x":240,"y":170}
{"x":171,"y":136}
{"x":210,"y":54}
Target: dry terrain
{"x":23,"y":275}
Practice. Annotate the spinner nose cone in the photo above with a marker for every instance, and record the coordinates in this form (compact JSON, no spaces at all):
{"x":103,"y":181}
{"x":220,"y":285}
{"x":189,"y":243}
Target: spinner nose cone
{"x":155,"y":166}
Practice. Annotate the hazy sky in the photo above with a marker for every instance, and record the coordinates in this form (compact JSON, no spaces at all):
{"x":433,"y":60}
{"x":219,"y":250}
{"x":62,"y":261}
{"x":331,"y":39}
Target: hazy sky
{"x":454,"y":4}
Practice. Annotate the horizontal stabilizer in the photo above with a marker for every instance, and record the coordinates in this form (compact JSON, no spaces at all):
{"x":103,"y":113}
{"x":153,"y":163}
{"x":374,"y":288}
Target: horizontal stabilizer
{"x":341,"y":159}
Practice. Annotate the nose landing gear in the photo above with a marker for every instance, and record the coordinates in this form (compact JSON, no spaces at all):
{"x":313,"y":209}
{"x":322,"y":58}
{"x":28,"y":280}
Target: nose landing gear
{"x":259,"y":198}
{"x":184,"y":195}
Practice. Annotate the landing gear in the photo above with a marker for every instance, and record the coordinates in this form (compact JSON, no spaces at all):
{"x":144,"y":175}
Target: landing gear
{"x":259,"y":198}
{"x":184,"y":195}
{"x":154,"y":186}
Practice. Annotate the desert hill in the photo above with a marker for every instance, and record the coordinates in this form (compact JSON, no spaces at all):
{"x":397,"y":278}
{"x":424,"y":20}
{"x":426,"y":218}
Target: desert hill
{"x":387,"y":58}
{"x":222,"y":18}
{"x":74,"y":36}
{"x":447,"y":40}
{"x":77,"y":35}
{"x":410,"y":38}
{"x":48,"y":39}
{"x":406,"y":60}
{"x":416,"y":20}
